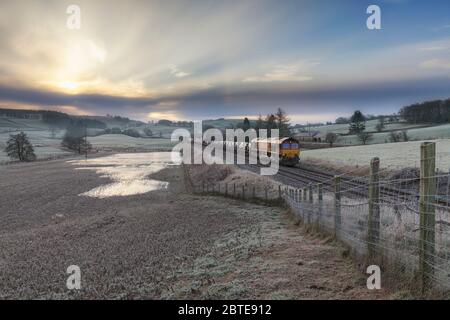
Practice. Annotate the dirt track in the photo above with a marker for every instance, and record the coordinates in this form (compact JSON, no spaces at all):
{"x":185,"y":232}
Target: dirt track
{"x":162,"y":244}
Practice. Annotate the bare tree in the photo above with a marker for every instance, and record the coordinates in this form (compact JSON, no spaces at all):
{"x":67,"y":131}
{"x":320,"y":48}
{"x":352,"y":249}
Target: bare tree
{"x":365,"y":137}
{"x":331,"y":138}
{"x":381,"y":124}
{"x":19,"y":147}
{"x":75,"y":139}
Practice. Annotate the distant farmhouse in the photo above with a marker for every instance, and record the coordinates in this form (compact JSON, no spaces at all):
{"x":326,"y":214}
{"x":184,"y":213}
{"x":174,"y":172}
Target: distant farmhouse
{"x":310,"y":136}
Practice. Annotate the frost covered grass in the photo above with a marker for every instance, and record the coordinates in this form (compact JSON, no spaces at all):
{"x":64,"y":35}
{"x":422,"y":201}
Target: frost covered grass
{"x":122,"y":142}
{"x":432,"y":133}
{"x":370,"y":126}
{"x":415,"y":132}
{"x":45,"y":146}
{"x":392,"y":155}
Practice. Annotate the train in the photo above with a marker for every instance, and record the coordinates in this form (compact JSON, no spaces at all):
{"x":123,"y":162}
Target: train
{"x":288,"y":148}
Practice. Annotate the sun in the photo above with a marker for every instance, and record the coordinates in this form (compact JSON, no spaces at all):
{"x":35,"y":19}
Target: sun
{"x":68,"y":85}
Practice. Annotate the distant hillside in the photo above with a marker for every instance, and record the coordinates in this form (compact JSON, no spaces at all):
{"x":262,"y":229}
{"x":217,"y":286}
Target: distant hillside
{"x":116,"y":121}
{"x":62,"y":120}
{"x":226,"y":123}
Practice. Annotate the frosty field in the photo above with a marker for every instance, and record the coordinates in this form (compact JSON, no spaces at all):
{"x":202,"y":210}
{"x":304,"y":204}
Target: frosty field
{"x":415,"y":132}
{"x":119,"y":142}
{"x":162,"y":244}
{"x":392,"y":155}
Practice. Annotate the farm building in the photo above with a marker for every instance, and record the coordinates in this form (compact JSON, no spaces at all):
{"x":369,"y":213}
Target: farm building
{"x":310,"y":136}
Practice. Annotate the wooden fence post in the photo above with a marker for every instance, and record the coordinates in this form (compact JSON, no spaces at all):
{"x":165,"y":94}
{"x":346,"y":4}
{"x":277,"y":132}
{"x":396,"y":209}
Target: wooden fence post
{"x":337,"y":204}
{"x":226,"y":189}
{"x":203,"y":187}
{"x":320,"y":200}
{"x":279,"y":192}
{"x":234,"y":190}
{"x":311,"y":193}
{"x":254,"y":192}
{"x":427,"y":213}
{"x":374,"y":208}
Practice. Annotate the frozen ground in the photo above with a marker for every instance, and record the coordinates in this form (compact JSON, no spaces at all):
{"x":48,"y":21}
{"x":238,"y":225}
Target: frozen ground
{"x":113,"y":142}
{"x":166,"y":243}
{"x":392,"y":155}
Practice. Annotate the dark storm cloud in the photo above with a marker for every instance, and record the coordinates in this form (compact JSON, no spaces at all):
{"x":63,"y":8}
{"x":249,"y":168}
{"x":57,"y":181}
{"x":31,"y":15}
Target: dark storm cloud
{"x":48,"y":98}
{"x":249,"y":99}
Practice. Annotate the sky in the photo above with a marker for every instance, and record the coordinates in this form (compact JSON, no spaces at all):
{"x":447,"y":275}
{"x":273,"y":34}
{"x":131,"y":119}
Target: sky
{"x":200,"y":59}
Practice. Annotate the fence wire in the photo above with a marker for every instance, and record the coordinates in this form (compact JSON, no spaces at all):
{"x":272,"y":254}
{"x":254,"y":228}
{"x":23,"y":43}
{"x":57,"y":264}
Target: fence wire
{"x":402,"y":218}
{"x":344,"y":212}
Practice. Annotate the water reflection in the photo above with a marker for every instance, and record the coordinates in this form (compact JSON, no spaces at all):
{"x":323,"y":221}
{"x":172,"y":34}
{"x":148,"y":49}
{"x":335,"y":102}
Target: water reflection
{"x":128,"y":171}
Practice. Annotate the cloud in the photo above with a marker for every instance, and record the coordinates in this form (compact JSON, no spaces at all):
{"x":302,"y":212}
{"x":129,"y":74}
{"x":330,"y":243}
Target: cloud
{"x":241,"y":99}
{"x":284,"y":73}
{"x":436,"y":64}
{"x":167,"y":115}
{"x":175,"y":71}
{"x":436,"y":48}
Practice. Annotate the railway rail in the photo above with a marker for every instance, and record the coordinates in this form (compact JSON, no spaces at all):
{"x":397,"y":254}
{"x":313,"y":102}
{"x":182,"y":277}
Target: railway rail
{"x":302,"y":177}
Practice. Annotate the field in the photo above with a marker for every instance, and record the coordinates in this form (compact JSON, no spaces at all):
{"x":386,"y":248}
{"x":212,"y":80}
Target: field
{"x":415,"y":132}
{"x":392,"y":155}
{"x":114,"y":142}
{"x":165,"y":243}
{"x":370,"y":126}
{"x":47,"y":144}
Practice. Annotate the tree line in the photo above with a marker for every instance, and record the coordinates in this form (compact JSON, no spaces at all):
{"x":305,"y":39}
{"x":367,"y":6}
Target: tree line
{"x":437,"y":111}
{"x":278,"y":120}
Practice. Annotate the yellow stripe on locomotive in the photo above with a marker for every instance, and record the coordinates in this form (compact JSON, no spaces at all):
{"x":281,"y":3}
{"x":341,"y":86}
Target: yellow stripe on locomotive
{"x":289,"y":149}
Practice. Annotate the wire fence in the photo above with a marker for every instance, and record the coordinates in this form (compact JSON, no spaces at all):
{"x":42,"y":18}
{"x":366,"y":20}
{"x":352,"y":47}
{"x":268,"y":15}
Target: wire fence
{"x":402,"y":222}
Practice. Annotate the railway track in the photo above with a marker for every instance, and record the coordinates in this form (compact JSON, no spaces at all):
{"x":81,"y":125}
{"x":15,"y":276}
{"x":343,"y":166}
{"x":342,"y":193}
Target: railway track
{"x":301,"y":177}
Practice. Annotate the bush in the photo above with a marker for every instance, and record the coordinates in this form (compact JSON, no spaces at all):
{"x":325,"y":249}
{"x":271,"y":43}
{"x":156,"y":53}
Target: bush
{"x":132,"y":133}
{"x":394,"y":136}
{"x":148,"y":132}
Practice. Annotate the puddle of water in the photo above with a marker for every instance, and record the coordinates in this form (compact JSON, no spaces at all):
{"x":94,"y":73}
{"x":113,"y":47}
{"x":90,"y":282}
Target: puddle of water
{"x":128,"y":171}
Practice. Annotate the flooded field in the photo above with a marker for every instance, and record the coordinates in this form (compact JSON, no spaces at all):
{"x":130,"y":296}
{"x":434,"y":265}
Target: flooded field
{"x":129,"y":173}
